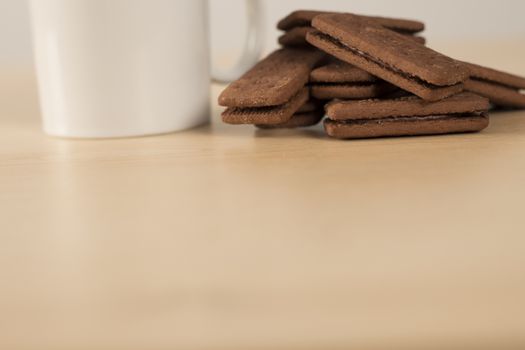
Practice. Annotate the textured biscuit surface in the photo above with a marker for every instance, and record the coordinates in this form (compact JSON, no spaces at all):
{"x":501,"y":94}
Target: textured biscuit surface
{"x":418,"y":39}
{"x":300,"y":18}
{"x":274,"y":80}
{"x":465,"y":102}
{"x":303,"y":18}
{"x":338,"y":71}
{"x":295,"y":37}
{"x":310,"y":106}
{"x":393,"y":50}
{"x":406,"y":126}
{"x":403,"y":80}
{"x":496,"y":76}
{"x":351,"y":91}
{"x":499,"y":95}
{"x":298,"y":120}
{"x":266,"y":115}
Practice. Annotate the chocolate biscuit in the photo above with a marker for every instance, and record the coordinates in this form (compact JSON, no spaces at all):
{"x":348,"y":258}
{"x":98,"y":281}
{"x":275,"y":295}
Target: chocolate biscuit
{"x":406,"y":126}
{"x":495,"y":76}
{"x":266,"y":115}
{"x":310,"y":106}
{"x":351,"y":91}
{"x":502,"y":89}
{"x":406,"y":116}
{"x":303,"y":18}
{"x":340,"y":80}
{"x":298,"y":24}
{"x":499,"y":95}
{"x":295,"y":37}
{"x":274,"y":80}
{"x":337,"y":71}
{"x":408,"y":106}
{"x":298,"y":120}
{"x":389,"y":56}
{"x":418,"y":39}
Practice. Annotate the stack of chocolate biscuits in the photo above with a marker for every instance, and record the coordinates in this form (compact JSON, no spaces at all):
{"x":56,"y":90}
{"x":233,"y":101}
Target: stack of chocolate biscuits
{"x":274,"y":90}
{"x":299,"y":23}
{"x":371,"y":77}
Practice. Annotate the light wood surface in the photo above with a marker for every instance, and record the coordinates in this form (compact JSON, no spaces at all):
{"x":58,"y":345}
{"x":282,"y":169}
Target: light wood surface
{"x":231,"y":238}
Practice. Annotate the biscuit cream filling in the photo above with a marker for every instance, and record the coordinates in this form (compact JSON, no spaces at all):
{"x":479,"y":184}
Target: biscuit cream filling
{"x":452,"y":116}
{"x":296,"y":101}
{"x":376,"y":61}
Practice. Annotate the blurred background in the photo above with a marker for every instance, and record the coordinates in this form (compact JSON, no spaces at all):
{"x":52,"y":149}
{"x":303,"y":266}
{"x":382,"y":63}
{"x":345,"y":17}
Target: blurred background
{"x":453,"y":25}
{"x":460,"y":28}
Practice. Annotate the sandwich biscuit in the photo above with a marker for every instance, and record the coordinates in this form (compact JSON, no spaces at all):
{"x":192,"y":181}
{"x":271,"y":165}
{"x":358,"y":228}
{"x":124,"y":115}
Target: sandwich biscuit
{"x":502,"y":89}
{"x":389,"y":56}
{"x":406,"y":116}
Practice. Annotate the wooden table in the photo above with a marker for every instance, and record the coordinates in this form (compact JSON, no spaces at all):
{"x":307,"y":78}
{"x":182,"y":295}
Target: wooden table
{"x":231,"y":238}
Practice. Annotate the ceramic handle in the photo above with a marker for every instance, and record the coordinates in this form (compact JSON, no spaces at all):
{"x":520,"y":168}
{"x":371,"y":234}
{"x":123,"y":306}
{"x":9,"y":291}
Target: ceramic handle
{"x":252,"y":46}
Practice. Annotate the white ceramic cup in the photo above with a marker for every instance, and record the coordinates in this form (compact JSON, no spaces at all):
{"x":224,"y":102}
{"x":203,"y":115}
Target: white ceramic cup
{"x":120,"y":68}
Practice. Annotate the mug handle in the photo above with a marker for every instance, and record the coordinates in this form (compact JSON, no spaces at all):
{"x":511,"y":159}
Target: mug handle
{"x":253,"y":45}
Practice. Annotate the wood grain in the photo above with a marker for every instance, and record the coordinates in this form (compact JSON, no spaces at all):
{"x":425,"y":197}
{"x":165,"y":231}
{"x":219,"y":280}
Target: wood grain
{"x":229,"y":237}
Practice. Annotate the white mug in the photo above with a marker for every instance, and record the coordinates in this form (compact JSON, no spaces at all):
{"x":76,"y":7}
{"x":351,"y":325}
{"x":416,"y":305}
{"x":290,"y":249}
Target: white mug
{"x":120,"y":68}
